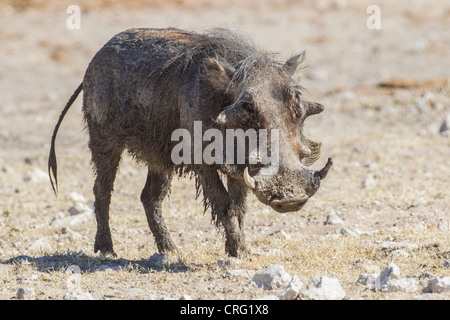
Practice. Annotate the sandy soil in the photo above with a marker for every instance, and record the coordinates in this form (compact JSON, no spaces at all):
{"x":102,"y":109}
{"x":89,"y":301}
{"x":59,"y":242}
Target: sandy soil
{"x":386,"y":94}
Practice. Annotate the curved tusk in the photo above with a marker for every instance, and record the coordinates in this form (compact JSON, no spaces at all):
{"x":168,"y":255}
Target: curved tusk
{"x":323,"y":173}
{"x":222,"y":118}
{"x":304,"y":197}
{"x":249,"y":181}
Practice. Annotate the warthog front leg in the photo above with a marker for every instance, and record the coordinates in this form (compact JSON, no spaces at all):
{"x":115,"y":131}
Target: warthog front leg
{"x":227,"y":209}
{"x":156,"y":188}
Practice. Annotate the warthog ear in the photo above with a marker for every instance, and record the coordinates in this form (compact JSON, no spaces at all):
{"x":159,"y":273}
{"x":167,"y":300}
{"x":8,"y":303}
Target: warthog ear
{"x":219,"y":73}
{"x":292,"y":64}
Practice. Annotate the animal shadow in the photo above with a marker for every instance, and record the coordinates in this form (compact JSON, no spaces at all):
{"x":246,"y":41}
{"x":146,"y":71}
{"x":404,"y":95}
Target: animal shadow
{"x":80,"y":262}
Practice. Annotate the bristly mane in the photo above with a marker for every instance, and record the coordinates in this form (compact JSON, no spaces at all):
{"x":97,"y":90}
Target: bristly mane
{"x":223,"y":44}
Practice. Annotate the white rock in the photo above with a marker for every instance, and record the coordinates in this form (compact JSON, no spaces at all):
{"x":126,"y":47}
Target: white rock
{"x":323,"y":288}
{"x":369,"y":182}
{"x":78,"y":208}
{"x":35,"y":175}
{"x":399,"y":253}
{"x":157,"y":261}
{"x":26,"y":293}
{"x":292,"y":290}
{"x":401,"y":285}
{"x":75,"y":197}
{"x":366,"y":279}
{"x":240,"y":273}
{"x":445,"y":126}
{"x":42,"y":245}
{"x":281,"y":234}
{"x":273,"y":277}
{"x":438,"y":285}
{"x":67,"y":233}
{"x":334,"y":220}
{"x":72,"y":220}
{"x":349,"y":232}
{"x":391,"y":272}
{"x":77,"y":294}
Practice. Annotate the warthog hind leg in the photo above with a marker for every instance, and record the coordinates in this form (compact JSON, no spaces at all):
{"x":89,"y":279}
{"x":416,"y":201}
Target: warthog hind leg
{"x":105,"y":164}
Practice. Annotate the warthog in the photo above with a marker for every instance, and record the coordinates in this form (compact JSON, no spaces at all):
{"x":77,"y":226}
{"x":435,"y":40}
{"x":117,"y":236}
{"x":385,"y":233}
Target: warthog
{"x":146,"y":83}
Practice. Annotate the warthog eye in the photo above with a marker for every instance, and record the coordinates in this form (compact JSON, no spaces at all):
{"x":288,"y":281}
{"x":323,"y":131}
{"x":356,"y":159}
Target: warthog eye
{"x":297,"y":106}
{"x":248,"y":106}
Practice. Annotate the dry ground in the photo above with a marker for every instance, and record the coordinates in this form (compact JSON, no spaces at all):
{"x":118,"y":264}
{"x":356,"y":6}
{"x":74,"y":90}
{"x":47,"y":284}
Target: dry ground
{"x":390,"y":132}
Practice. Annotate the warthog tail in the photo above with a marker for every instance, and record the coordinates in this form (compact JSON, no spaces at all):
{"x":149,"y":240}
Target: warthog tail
{"x":52,"y":156}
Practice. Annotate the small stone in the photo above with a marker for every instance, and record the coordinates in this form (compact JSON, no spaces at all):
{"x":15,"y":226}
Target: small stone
{"x":67,"y":233}
{"x":447,"y":263}
{"x":366,"y":279}
{"x":72,"y":220}
{"x":26,"y":293}
{"x":443,"y":226}
{"x":78,"y":208}
{"x":42,"y":244}
{"x":323,"y":288}
{"x":35,"y":175}
{"x":399,"y":253}
{"x":75,"y":197}
{"x":292,"y":290}
{"x":391,"y":272}
{"x":349,"y":232}
{"x":158,"y":261}
{"x":243,"y":273}
{"x":334,"y":220}
{"x":438,"y":285}
{"x":401,"y":285}
{"x":273,"y":277}
{"x":77,"y":294}
{"x":281,"y":234}
{"x":444,"y":130}
{"x":369,"y":182}
{"x":186,"y":297}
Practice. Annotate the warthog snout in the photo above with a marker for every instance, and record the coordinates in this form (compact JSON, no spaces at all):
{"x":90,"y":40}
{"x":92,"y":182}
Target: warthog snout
{"x":288,"y":190}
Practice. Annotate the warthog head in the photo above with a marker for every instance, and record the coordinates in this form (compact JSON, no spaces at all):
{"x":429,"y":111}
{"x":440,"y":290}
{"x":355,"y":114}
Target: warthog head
{"x":264,"y":95}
